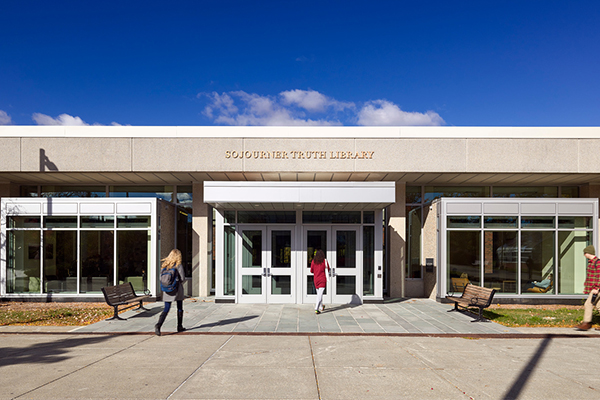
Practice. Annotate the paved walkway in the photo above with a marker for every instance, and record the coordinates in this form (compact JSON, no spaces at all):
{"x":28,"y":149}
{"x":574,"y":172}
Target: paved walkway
{"x":416,"y":316}
{"x":399,"y":317}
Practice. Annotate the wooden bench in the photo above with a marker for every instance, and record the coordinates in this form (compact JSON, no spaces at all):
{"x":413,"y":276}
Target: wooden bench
{"x":473,"y":296}
{"x":122,"y":295}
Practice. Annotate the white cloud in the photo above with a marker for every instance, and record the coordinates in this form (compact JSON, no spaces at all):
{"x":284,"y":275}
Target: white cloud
{"x":5,"y":118}
{"x":311,"y":100}
{"x":64,"y":120}
{"x":253,"y":109}
{"x":298,"y":107}
{"x":383,"y":112}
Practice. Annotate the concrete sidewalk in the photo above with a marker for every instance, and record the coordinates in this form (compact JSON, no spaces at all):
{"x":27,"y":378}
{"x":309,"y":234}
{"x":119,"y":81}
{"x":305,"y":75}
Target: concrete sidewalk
{"x":226,"y":366}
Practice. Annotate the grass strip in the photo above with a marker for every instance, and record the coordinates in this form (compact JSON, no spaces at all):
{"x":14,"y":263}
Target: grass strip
{"x":536,"y":317}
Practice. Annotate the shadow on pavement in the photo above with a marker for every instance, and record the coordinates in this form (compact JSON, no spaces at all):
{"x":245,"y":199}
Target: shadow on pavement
{"x":224,"y":322}
{"x":45,"y":353}
{"x":339,"y":307}
{"x":521,"y":381}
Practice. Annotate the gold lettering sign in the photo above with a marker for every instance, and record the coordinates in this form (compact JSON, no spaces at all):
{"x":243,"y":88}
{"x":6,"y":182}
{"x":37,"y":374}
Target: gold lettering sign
{"x":299,"y":155}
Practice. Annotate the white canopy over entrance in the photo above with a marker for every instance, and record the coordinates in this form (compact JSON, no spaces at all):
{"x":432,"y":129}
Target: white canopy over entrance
{"x":268,"y":232}
{"x":300,"y":195}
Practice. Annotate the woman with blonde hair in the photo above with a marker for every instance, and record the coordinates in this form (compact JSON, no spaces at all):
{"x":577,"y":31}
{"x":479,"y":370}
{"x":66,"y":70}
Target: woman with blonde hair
{"x":172,"y":261}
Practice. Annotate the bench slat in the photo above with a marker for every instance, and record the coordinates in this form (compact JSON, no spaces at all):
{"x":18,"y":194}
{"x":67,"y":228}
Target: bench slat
{"x":473,"y":296}
{"x":121,"y":295}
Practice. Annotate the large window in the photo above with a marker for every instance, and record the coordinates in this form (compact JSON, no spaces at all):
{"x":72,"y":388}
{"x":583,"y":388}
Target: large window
{"x":520,"y":254}
{"x":77,"y":254}
{"x":419,"y":197}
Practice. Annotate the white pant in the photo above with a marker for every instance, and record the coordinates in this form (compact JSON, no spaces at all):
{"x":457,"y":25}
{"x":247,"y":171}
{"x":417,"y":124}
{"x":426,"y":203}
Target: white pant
{"x":319,"y":298}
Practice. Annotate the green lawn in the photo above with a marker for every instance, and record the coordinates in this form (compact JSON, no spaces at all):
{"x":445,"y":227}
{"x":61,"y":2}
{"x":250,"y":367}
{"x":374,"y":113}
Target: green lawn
{"x":532,"y":317}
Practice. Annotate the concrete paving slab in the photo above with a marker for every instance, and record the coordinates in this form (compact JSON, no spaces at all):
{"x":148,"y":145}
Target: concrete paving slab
{"x":384,"y":383}
{"x":372,"y":352}
{"x":249,"y":383}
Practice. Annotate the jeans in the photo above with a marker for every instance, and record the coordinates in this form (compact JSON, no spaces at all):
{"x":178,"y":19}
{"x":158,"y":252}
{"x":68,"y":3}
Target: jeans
{"x":168,"y":306}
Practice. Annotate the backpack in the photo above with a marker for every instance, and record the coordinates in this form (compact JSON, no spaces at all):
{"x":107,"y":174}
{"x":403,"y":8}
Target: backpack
{"x":169,"y":280}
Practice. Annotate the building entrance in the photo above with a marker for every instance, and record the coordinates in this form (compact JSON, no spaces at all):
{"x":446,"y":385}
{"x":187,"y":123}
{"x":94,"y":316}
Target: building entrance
{"x":341,"y":247}
{"x":271,"y":268}
{"x":266,"y":264}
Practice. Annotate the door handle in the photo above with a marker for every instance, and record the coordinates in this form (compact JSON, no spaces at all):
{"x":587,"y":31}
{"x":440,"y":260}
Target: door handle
{"x":268,"y":271}
{"x":264,"y":272}
{"x":333,"y":273}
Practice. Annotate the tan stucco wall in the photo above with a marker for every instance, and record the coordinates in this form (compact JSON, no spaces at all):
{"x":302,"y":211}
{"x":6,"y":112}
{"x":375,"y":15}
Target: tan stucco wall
{"x":201,"y":264}
{"x":75,"y":154}
{"x":206,"y":154}
{"x":397,"y":242}
{"x":430,"y":246}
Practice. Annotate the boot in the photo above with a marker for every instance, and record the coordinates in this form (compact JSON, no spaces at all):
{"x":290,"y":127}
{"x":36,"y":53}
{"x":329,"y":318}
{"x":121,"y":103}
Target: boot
{"x":161,"y":319}
{"x":584,"y":326}
{"x":180,"y":327}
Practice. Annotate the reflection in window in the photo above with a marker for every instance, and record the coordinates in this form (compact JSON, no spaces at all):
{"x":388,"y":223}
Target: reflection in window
{"x":331,"y":217}
{"x":133,"y":221}
{"x":413,"y":194}
{"x":413,"y":228}
{"x":229,"y":261}
{"x":251,"y":249}
{"x":464,"y":263}
{"x":315,"y":240}
{"x":467,"y":221}
{"x":73,"y":191}
{"x":537,"y":258}
{"x":185,"y":195}
{"x":23,"y":222}
{"x":98,"y":221}
{"x":537,"y":222}
{"x":575,"y":223}
{"x":97,"y":254}
{"x":436,"y":192}
{"x":60,"y":262}
{"x":525,"y":191}
{"x":500,"y":222}
{"x":133,"y":255}
{"x":368,"y":260}
{"x":160,"y":192}
{"x":23,"y":263}
{"x":281,"y":284}
{"x":281,"y":249}
{"x":346,"y":249}
{"x":571,"y":263}
{"x":501,"y":260}
{"x":266,"y":217}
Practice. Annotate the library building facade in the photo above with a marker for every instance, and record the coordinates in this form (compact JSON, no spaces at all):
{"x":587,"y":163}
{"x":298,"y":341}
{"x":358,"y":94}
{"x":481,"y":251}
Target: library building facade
{"x":400,"y":212}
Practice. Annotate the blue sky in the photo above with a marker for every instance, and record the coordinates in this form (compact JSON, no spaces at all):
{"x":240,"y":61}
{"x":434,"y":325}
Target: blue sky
{"x":455,"y":63}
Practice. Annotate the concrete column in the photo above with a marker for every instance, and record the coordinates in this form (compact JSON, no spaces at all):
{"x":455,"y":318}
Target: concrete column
{"x":201,"y":264}
{"x":397,"y":242}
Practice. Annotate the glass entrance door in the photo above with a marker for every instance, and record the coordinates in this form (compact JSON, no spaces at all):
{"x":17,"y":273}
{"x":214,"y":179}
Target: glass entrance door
{"x":281,"y":271}
{"x":314,"y":239}
{"x":346,"y":283}
{"x":341,"y":247}
{"x":252,"y":266}
{"x":266,"y":269}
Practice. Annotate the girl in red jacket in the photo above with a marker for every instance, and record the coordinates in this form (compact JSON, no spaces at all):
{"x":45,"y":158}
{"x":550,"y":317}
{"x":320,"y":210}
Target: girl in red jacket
{"x":317,"y":267}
